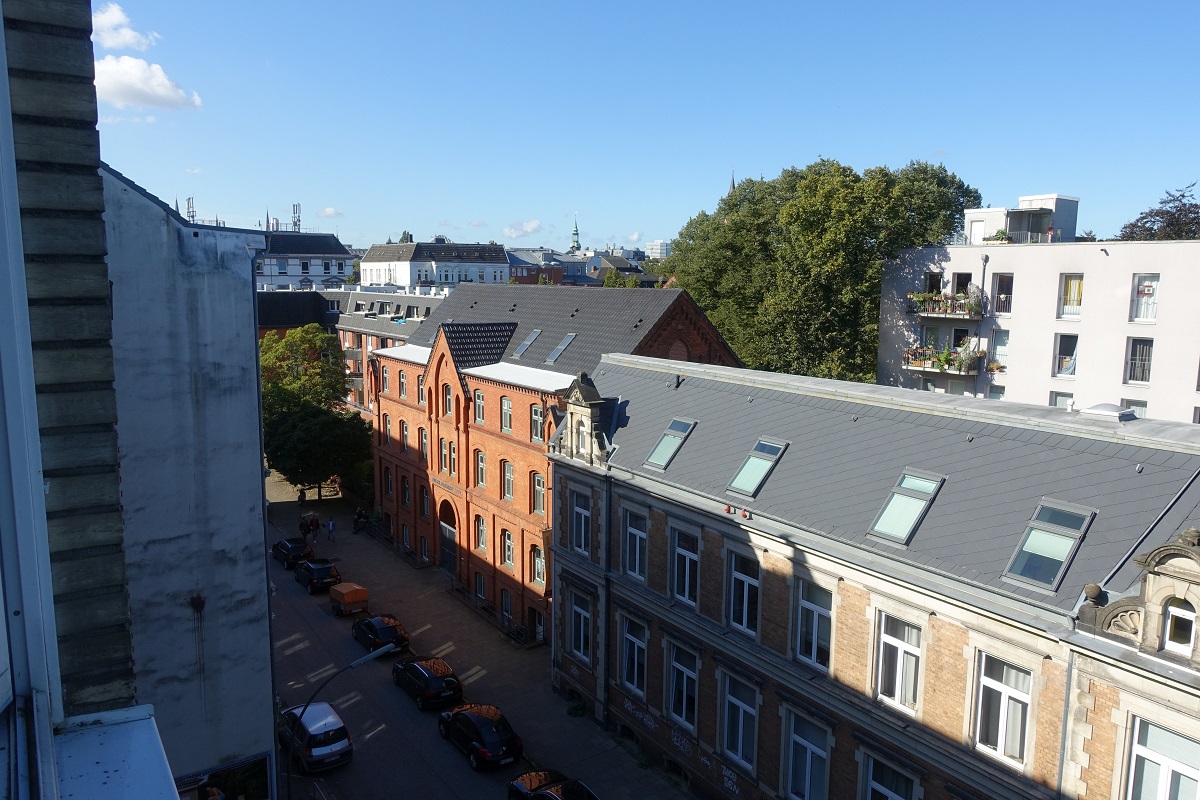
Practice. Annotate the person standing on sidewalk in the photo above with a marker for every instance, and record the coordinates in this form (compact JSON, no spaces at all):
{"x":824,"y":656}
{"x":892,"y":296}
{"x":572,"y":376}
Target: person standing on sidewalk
{"x":314,"y":527}
{"x":330,"y":527}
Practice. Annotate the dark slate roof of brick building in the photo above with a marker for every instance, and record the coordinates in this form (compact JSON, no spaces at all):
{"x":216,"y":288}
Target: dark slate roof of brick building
{"x":429,"y":251}
{"x":286,"y":243}
{"x":603,"y":320}
{"x":848,"y":444}
{"x":477,"y":344}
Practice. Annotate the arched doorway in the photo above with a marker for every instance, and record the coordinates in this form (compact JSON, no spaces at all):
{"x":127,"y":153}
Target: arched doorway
{"x":448,"y":559}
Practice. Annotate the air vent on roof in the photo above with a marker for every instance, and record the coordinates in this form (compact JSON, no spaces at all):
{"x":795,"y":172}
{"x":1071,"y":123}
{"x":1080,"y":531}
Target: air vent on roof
{"x":637,"y":324}
{"x":1111,"y":411}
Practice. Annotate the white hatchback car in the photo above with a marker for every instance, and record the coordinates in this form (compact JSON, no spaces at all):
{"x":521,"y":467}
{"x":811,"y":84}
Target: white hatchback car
{"x":319,"y":741}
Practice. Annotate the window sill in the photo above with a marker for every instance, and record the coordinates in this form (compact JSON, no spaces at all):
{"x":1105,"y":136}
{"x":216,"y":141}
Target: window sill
{"x":1063,"y":377}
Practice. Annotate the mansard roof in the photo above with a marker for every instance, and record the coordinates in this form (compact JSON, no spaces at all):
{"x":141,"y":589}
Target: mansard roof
{"x":450,"y":252}
{"x":841,"y":448}
{"x":287,"y":243}
{"x":602,"y":320}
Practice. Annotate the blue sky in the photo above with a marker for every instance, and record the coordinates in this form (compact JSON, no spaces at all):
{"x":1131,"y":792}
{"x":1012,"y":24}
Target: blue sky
{"x":499,"y":121}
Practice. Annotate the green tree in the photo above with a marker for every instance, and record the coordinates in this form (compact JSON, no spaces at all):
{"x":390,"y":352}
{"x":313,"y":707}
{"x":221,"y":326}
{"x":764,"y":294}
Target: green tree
{"x":355,"y":275}
{"x":789,"y":269}
{"x":1177,"y":216}
{"x":312,"y":445}
{"x":406,"y":238}
{"x":615,"y":279}
{"x":303,"y":368}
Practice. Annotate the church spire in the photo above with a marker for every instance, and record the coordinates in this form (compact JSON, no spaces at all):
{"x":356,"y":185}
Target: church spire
{"x":575,"y":246}
{"x":731,"y":183}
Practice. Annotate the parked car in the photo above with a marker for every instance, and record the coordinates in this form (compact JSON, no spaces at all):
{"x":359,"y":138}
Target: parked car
{"x":525,"y":784}
{"x":291,"y":552}
{"x":564,"y":790}
{"x":317,"y":573}
{"x":482,"y":733}
{"x":319,"y":740}
{"x":431,"y":682}
{"x":375,"y":632}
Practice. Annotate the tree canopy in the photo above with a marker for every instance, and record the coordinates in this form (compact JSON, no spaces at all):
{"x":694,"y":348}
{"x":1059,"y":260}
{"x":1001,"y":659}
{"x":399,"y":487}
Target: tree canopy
{"x":789,"y":269}
{"x":1177,"y":216}
{"x":616,"y":279}
{"x":304,"y":367}
{"x":311,"y":445}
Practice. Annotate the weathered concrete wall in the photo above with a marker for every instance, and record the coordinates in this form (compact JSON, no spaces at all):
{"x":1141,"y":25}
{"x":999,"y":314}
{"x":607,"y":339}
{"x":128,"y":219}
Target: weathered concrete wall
{"x":185,"y":351}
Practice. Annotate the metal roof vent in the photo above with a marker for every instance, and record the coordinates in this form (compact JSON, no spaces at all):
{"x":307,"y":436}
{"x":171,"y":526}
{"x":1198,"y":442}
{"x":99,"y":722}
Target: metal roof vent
{"x":1110,"y":410}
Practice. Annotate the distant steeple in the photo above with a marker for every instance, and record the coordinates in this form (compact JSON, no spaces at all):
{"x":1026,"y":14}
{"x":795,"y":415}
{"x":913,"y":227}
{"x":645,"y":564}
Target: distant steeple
{"x":731,"y":183}
{"x":575,"y":246}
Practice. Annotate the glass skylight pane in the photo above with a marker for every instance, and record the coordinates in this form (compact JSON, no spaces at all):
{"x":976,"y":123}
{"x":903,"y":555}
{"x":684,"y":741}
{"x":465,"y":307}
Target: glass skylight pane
{"x":679,"y":426}
{"x":1063,"y":519}
{"x":751,"y":475}
{"x":1041,"y":556}
{"x":525,"y":344}
{"x":923,"y":485}
{"x":556,"y":352}
{"x":769,"y":449}
{"x":899,"y":515}
{"x":664,"y":450}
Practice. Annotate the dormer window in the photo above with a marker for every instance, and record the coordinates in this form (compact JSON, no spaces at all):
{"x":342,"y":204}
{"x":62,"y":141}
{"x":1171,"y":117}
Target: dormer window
{"x":669,"y":443}
{"x":1179,"y":627}
{"x":904,"y":509}
{"x":581,"y":437}
{"x":1050,"y":540}
{"x":757,"y":466}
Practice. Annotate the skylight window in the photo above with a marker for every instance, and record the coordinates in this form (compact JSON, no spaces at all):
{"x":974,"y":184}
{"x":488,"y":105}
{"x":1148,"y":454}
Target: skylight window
{"x":556,"y":352}
{"x":1050,"y":540}
{"x":757,"y":466}
{"x":525,"y":344}
{"x":669,"y":443}
{"x":904,"y":509}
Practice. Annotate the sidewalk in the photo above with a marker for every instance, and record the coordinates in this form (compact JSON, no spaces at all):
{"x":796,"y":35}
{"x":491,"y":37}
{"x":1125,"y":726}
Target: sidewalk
{"x":492,"y":668}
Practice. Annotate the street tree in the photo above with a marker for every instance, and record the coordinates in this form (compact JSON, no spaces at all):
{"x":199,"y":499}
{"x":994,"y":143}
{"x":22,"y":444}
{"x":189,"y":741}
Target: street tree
{"x":789,"y":269}
{"x":312,"y":445}
{"x":303,"y":367}
{"x":1177,"y":216}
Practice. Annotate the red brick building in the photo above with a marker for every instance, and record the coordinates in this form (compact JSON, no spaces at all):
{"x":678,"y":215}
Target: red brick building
{"x":464,"y":411}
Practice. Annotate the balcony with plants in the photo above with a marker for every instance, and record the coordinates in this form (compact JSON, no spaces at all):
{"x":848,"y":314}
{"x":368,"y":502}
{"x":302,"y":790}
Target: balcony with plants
{"x":957,"y":360}
{"x":936,"y":304}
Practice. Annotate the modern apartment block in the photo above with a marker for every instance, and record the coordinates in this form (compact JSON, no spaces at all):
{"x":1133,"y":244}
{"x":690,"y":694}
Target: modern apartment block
{"x":1072,"y":325}
{"x":781,"y":586}
{"x":464,"y":410}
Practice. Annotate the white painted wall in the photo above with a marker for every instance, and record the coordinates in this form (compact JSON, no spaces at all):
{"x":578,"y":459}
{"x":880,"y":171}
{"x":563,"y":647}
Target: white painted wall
{"x":406,"y":273}
{"x":191,"y":475}
{"x":1104,"y":326}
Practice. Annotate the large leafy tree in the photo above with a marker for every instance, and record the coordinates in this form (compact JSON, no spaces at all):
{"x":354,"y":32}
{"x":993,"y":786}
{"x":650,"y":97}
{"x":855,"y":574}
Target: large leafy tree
{"x":303,"y":367}
{"x":307,"y":435}
{"x":789,"y":269}
{"x":1177,"y":216}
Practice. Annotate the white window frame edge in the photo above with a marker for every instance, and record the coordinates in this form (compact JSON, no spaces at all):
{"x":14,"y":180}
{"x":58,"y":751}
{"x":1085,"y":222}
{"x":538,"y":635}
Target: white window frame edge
{"x":829,"y":583}
{"x":722,"y":672}
{"x":667,"y":641}
{"x":785,"y":709}
{"x":728,"y":550}
{"x":905,"y":612}
{"x":976,"y":707}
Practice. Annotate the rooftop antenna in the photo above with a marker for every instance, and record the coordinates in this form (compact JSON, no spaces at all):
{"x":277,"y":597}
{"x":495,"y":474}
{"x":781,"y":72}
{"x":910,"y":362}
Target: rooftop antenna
{"x":191,"y":211}
{"x":296,"y":217}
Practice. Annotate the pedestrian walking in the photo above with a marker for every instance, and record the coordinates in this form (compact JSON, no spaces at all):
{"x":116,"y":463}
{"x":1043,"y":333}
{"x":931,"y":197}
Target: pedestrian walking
{"x":300,"y":498}
{"x":329,"y":526}
{"x":314,"y":527}
{"x":303,"y":528}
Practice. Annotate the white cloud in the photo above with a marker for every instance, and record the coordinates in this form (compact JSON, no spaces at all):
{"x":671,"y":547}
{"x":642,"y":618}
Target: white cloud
{"x":111,"y":30}
{"x":519,"y":229}
{"x":193,"y":170}
{"x":110,"y":120}
{"x":634,"y":237}
{"x":329,"y":212}
{"x":477,"y":223}
{"x":127,"y":81}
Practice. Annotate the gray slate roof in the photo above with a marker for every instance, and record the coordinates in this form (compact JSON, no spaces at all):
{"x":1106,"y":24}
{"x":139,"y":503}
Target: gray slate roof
{"x":428,"y":251}
{"x":849,"y":443}
{"x":536,"y":257}
{"x":477,"y":344}
{"x":283,"y":243}
{"x":604,"y":320}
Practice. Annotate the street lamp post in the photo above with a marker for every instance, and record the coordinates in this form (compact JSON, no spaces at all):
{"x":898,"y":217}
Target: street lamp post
{"x":374,"y":654}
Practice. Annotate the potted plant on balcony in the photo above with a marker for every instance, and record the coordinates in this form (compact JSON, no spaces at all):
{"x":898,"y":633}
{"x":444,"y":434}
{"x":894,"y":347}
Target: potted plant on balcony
{"x":943,"y":359}
{"x":1001,"y":236}
{"x":993,"y":367}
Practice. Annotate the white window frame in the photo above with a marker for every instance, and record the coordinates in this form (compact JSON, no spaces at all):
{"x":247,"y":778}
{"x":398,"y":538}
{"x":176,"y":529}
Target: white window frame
{"x":480,"y":532}
{"x":480,"y":468}
{"x":634,"y":635}
{"x":447,"y":400}
{"x":506,"y":469}
{"x":682,"y":684}
{"x":538,"y":557}
{"x":1144,"y":297}
{"x":421,"y":389}
{"x":505,"y":415}
{"x":813,"y":753}
{"x":387,"y":429}
{"x":581,"y":522}
{"x":1168,"y":767}
{"x":536,"y":421}
{"x":812,"y":620}
{"x":506,"y":544}
{"x":581,"y":627}
{"x":635,"y":543}
{"x":745,"y":593}
{"x":1008,"y":697}
{"x":893,"y":694}
{"x":1070,"y":305}
{"x":1137,"y":350}
{"x":442,"y":459}
{"x":480,"y":405}
{"x":875,"y":789}
{"x":685,"y":570}
{"x":384,"y":383}
{"x":1174,"y":615}
{"x":403,"y":383}
{"x":453,"y":458}
{"x":403,"y":434}
{"x":539,"y":493}
{"x":740,"y":723}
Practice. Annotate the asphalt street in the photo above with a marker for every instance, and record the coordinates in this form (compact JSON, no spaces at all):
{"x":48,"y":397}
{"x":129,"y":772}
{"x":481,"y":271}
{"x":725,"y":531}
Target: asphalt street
{"x":397,"y":749}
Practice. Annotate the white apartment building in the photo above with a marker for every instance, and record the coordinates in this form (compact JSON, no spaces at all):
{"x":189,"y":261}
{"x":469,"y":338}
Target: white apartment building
{"x":658,"y":249}
{"x":1073,"y":324}
{"x":440,"y":262}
